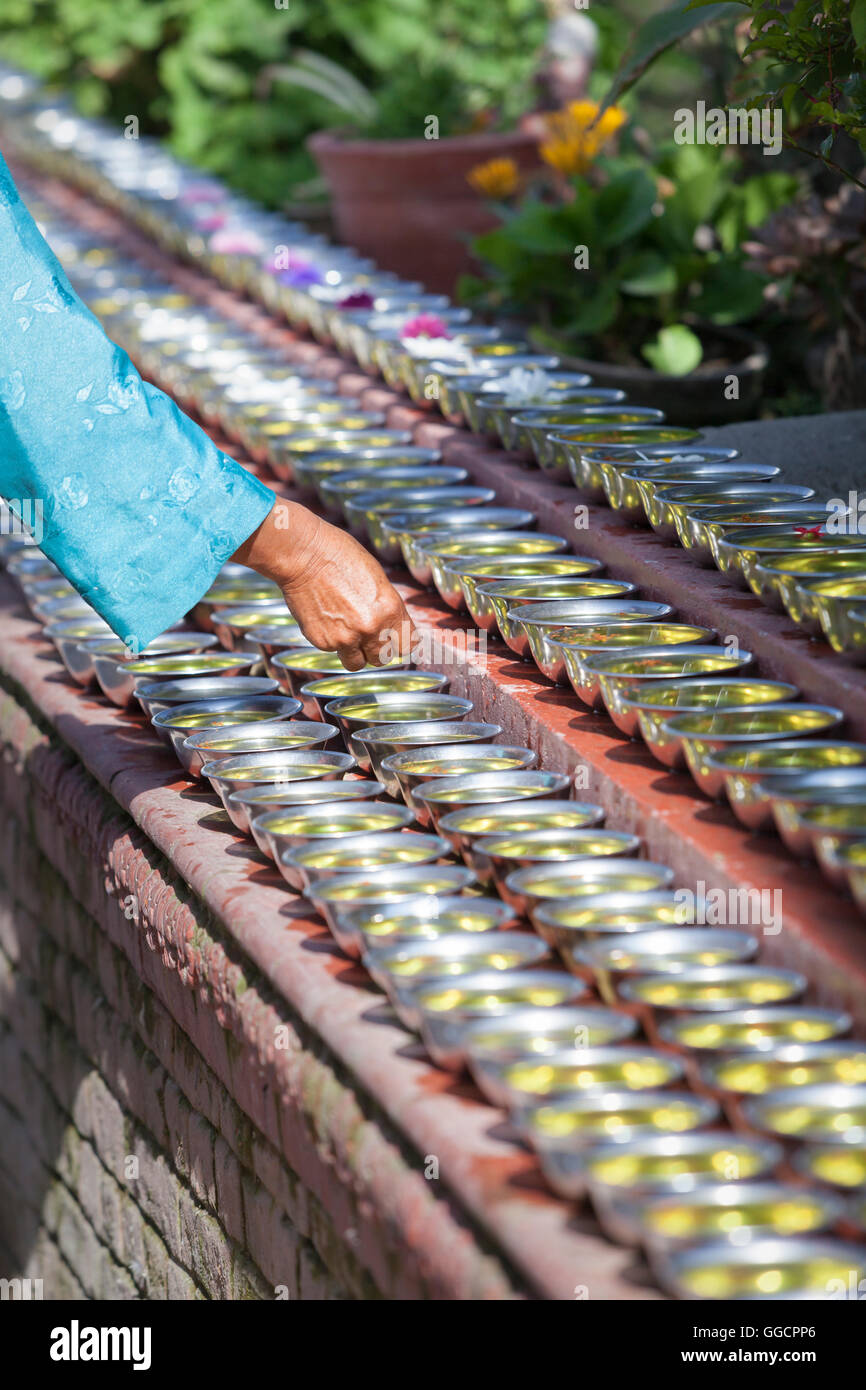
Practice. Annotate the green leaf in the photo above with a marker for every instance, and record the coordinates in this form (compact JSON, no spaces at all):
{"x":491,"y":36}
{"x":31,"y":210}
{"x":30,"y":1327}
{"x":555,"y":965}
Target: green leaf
{"x":858,"y":22}
{"x":648,"y":273}
{"x":730,"y":294}
{"x":624,"y":206}
{"x":675,"y":351}
{"x":661,"y":32}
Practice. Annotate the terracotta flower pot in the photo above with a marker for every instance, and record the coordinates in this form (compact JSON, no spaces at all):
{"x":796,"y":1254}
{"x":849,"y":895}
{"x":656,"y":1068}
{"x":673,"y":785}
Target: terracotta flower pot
{"x":407,"y":203}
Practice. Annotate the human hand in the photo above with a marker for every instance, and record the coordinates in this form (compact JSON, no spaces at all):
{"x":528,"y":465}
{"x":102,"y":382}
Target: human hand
{"x":338,"y":592}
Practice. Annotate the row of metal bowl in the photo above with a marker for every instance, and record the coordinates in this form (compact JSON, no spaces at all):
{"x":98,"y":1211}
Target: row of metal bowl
{"x":568,"y":1097}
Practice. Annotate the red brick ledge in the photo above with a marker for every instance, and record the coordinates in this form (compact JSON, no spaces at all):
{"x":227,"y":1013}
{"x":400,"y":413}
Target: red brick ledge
{"x":415,"y":1241}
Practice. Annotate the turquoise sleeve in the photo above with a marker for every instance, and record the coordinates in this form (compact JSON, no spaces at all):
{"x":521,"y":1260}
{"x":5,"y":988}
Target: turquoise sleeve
{"x":138,"y":507}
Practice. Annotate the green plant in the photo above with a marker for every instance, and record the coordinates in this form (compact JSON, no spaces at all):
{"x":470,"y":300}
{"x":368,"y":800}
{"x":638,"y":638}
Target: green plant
{"x":634,"y":260}
{"x":804,"y":58}
{"x":190,"y":70}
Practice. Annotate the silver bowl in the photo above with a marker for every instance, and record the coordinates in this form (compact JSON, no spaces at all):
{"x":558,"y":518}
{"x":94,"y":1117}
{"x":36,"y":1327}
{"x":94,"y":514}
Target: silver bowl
{"x":218,"y":745}
{"x":622,"y":677}
{"x":352,"y":892}
{"x":115,"y":666}
{"x":371,"y":853}
{"x":533,"y":629}
{"x":414,"y":767}
{"x":472,"y":824}
{"x":490,"y":600}
{"x":495,"y":857}
{"x":284,"y":829}
{"x":422,"y":919}
{"x":353,"y":713}
{"x":316,"y":695}
{"x":176,"y":723}
{"x":381,"y":741}
{"x":248,"y":805}
{"x":655,"y":707}
{"x":543,"y":885}
{"x":281,"y":770}
{"x":154,"y":696}
{"x":444,"y":794}
{"x":793,"y":1267}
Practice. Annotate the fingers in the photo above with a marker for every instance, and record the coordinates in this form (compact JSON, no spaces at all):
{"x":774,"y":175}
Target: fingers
{"x":352,"y":657}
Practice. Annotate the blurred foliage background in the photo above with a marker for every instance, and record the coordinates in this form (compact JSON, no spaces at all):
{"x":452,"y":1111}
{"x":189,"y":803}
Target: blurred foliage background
{"x":198,"y":72}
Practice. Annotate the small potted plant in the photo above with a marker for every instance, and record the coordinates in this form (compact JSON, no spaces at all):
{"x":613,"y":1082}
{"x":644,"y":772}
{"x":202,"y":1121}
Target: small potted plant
{"x":634,"y":271}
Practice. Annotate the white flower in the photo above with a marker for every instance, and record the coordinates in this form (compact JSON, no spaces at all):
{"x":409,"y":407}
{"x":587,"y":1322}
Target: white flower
{"x":523,"y":386}
{"x":442,"y":349}
{"x":183,"y":484}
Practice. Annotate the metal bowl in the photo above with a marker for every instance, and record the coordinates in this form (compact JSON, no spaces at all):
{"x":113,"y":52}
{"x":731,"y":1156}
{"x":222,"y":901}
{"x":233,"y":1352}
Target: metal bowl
{"x":495,"y":857}
{"x":633,"y":490}
{"x":445,"y":1007}
{"x":176,"y":723}
{"x":370,"y":853}
{"x":815,"y":1267}
{"x":401,"y":968}
{"x":488,"y":601}
{"x":580,"y":654}
{"x":538,"y":630}
{"x":782,"y":579}
{"x":709,"y":989}
{"x":281,"y":770}
{"x":418,"y":558}
{"x":335,"y":489}
{"x":149,"y":670}
{"x":362,"y":507}
{"x":238,"y":628}
{"x":466,"y":827}
{"x":830,"y":828}
{"x":700,"y":514}
{"x":381,"y":741}
{"x":739,"y":551}
{"x":820,"y":1113}
{"x":245,"y":806}
{"x":444,"y":794}
{"x":787,"y":798}
{"x":584,"y":450}
{"x":849,"y":861}
{"x":624,"y":677}
{"x":455,"y":562}
{"x":249,"y":591}
{"x":287,"y":828}
{"x":842,"y":1166}
{"x":353,"y":892}
{"x":622,"y":1178}
{"x":154,"y":696}
{"x":543,"y":885}
{"x":297,"y":666}
{"x":353,"y":713}
{"x":414,"y":767}
{"x":117,"y":669}
{"x":219,"y":745}
{"x":537,"y":1033}
{"x":68,"y":639}
{"x":736,"y":1213}
{"x":654,"y":708}
{"x":702,"y":736}
{"x":540,"y":431}
{"x":753,"y":1030}
{"x":749,"y":773}
{"x":513,"y":1082}
{"x":568,"y":924}
{"x":311,"y":470}
{"x":493,"y":411}
{"x":609,"y":962}
{"x":422,"y":919}
{"x":464,"y":1037}
{"x":398,"y":532}
{"x":839,"y":605}
{"x":315,"y":695}
{"x":739,"y":1074}
{"x":574,"y":1124}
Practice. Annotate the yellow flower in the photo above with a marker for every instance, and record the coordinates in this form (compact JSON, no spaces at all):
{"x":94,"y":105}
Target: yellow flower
{"x":577,"y":135}
{"x":496,"y":178}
